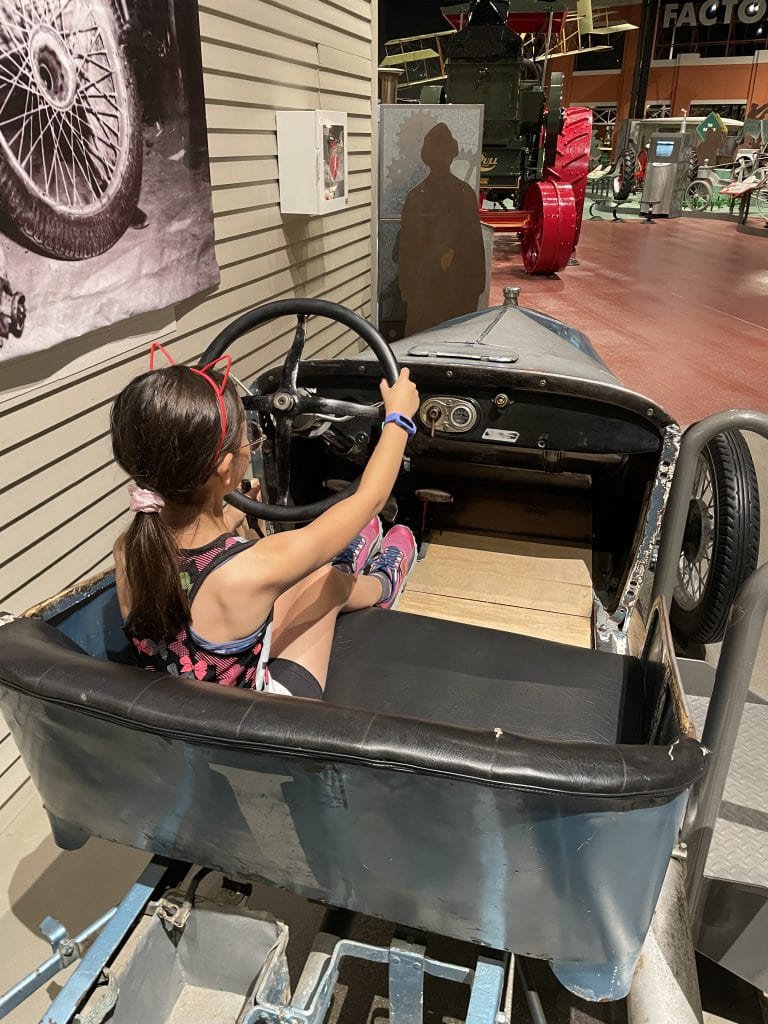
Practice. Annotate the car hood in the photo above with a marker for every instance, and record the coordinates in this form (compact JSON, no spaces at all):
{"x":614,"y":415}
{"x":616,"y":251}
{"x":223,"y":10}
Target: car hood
{"x":520,"y":338}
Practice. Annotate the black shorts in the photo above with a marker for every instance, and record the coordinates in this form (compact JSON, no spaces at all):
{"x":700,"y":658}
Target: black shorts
{"x":296,"y":679}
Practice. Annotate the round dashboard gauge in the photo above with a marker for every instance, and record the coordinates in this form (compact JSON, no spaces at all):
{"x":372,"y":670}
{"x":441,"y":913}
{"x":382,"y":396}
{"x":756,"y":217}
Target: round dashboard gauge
{"x":462,"y":416}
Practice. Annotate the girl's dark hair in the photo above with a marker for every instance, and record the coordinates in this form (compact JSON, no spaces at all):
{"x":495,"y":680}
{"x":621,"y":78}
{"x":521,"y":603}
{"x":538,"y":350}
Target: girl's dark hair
{"x":166,"y":428}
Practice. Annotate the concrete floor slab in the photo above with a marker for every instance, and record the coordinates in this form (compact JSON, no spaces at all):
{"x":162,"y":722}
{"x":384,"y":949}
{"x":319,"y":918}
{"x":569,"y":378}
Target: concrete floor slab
{"x":36,"y":880}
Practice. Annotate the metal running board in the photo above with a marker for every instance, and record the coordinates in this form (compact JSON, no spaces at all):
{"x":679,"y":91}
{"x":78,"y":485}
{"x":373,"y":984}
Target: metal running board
{"x":739,"y":851}
{"x":733,"y":917}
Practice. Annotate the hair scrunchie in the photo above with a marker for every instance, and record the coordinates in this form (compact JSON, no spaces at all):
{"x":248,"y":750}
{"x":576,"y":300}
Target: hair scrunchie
{"x":142,"y":500}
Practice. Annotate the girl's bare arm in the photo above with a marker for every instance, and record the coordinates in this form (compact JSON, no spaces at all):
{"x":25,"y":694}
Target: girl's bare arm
{"x":285,"y":558}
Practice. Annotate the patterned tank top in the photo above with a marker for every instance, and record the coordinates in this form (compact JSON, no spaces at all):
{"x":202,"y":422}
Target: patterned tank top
{"x":233,"y":663}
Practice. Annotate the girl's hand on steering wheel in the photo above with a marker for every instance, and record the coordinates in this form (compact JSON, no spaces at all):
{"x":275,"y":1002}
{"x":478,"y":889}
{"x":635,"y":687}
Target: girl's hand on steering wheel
{"x":252,"y":488}
{"x":402,"y":397}
{"x":234,"y":519}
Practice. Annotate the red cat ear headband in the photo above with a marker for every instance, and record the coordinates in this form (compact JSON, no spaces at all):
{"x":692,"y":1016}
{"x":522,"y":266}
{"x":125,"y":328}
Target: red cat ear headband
{"x":218,"y":389}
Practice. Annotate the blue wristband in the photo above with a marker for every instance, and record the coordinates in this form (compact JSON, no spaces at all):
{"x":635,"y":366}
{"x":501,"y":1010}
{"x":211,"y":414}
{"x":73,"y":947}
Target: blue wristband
{"x":402,"y":421}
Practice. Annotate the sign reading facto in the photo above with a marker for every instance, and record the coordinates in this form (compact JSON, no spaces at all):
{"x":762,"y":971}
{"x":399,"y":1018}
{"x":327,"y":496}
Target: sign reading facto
{"x":715,"y":12}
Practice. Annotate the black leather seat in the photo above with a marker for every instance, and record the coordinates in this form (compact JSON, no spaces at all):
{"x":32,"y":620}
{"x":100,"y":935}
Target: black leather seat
{"x":402,"y":664}
{"x":456,"y":780}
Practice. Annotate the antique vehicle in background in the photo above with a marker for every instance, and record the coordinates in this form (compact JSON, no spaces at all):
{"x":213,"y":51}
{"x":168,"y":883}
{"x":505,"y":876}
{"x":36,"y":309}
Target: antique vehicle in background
{"x":535,"y":152}
{"x":516,"y":758}
{"x":704,"y":191}
{"x":634,"y":140}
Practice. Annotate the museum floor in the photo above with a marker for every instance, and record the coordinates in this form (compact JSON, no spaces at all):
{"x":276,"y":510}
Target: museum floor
{"x":678,"y":309}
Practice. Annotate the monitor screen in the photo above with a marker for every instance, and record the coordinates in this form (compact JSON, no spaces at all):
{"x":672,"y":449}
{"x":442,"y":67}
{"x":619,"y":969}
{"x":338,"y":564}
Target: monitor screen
{"x":664,"y":148}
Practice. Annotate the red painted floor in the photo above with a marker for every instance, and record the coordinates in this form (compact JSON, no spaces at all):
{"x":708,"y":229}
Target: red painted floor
{"x":677,"y":309}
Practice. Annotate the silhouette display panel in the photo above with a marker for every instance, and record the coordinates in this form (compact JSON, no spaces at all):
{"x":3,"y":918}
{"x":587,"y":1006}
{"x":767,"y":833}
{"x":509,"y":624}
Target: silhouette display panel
{"x":432,"y":260}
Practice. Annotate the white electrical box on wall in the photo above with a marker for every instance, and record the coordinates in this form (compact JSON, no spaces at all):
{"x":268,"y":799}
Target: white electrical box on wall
{"x":312,"y":160}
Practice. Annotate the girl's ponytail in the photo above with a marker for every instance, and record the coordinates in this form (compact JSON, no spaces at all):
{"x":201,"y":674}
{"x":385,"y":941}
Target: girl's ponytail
{"x":159,"y":604}
{"x":167,"y":435}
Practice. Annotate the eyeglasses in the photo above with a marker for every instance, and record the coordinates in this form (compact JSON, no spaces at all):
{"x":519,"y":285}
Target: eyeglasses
{"x":255,"y":440}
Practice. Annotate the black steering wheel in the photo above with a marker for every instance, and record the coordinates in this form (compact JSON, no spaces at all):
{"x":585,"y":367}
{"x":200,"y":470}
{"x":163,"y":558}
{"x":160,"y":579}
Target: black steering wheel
{"x":287,"y":402}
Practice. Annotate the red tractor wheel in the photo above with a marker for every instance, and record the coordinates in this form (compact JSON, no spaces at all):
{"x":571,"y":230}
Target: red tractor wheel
{"x":571,"y":164}
{"x":549,"y":238}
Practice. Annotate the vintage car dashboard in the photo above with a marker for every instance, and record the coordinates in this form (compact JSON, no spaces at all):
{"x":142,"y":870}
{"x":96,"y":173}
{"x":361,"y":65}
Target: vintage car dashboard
{"x":532,"y":421}
{"x":468,"y":411}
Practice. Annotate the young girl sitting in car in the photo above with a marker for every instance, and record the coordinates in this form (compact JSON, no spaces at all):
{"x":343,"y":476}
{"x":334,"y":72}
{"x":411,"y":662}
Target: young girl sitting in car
{"x":198,"y":600}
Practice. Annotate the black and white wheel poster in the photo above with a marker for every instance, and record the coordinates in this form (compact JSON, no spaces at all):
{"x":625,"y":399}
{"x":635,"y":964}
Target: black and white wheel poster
{"x":105,"y":200}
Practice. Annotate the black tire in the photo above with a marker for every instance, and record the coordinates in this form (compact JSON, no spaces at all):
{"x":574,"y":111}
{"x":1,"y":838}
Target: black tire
{"x":68,"y":229}
{"x":693,"y":166}
{"x":624,"y":182}
{"x":721,"y":542}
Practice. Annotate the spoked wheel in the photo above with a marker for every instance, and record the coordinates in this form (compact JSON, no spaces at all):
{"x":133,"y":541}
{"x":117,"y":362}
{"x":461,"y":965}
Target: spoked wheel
{"x":70,"y":126}
{"x":548,"y":241}
{"x":743,"y":167}
{"x":571,"y":164}
{"x":721,"y":539}
{"x":698,"y":195}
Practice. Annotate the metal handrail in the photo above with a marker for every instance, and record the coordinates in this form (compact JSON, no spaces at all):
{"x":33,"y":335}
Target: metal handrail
{"x":739,"y":651}
{"x":726,"y":707}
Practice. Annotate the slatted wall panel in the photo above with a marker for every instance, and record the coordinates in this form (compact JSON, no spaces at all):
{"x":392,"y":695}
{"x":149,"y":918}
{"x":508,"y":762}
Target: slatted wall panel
{"x":63,"y":501}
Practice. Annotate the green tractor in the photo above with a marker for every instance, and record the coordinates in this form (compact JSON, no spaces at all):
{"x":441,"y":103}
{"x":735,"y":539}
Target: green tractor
{"x":535,"y":152}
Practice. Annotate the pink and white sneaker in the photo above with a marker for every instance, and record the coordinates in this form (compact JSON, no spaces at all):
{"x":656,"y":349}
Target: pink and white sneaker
{"x":359,"y":552}
{"x":397,"y":558}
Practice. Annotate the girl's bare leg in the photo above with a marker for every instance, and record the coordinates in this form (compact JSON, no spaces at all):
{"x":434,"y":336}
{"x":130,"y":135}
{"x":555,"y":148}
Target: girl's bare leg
{"x":305,"y":616}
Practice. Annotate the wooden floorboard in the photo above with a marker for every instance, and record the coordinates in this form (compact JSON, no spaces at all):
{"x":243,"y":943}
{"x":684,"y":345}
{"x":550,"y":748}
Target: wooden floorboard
{"x":565,"y":629}
{"x":518,"y":586}
{"x":571,"y":564}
